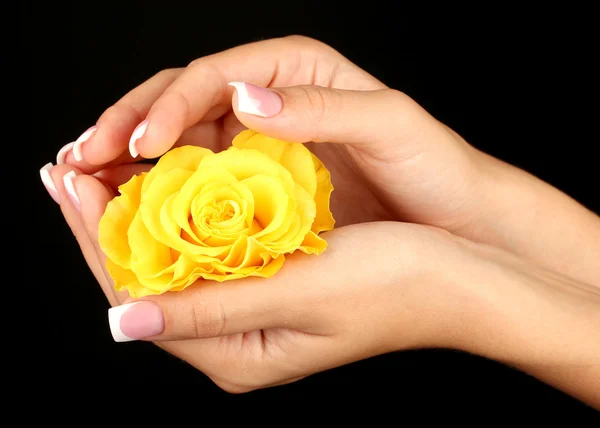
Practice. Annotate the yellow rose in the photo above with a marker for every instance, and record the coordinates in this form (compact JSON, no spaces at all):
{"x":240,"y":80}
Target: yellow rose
{"x":217,"y":216}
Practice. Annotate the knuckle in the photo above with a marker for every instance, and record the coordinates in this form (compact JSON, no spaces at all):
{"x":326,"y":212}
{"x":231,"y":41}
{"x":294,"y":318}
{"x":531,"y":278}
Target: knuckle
{"x":402,"y":102}
{"x":209,"y":73}
{"x":167,"y":73}
{"x":321,"y":104}
{"x":234,"y":387}
{"x":301,"y":39}
{"x":125,"y":107}
{"x":305,"y":41}
{"x":208,"y":316}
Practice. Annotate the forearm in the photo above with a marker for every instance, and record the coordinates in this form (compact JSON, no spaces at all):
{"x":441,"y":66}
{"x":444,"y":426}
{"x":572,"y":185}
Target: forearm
{"x":529,"y":217}
{"x":541,"y":323}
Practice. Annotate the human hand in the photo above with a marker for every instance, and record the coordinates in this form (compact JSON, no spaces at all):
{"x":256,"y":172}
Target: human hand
{"x":380,"y":287}
{"x":401,"y":163}
{"x":371,"y":292}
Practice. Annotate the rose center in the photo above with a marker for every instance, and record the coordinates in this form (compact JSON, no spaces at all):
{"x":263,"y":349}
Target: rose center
{"x":221,"y":211}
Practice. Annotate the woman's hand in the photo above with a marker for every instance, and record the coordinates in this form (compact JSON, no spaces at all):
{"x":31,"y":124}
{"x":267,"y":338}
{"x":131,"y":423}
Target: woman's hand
{"x":390,"y":162}
{"x":397,"y":160}
{"x":380,"y":287}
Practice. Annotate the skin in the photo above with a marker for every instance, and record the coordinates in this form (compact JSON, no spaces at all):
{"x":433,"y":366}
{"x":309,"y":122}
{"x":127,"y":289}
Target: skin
{"x":450,"y":238}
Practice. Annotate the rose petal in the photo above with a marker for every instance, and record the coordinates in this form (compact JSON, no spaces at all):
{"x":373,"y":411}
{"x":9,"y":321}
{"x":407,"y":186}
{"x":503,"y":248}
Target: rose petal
{"x":124,"y":279}
{"x":151,"y":260}
{"x":295,"y":157}
{"x":237,"y":253}
{"x":273,"y":207}
{"x":324,"y":218}
{"x":157,"y":213}
{"x":184,"y":157}
{"x":214,"y":176}
{"x":207,"y":209}
{"x":171,"y":233}
{"x":119,"y":214}
{"x":313,"y":244}
{"x":296,"y":230}
{"x":256,"y":262}
{"x":243,"y":164}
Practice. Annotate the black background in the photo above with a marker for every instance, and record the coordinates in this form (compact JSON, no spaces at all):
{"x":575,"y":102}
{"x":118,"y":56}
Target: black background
{"x":521,"y":85}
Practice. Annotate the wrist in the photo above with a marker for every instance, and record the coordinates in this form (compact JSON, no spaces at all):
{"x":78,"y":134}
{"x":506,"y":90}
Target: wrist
{"x":526,"y":216}
{"x":535,"y":320}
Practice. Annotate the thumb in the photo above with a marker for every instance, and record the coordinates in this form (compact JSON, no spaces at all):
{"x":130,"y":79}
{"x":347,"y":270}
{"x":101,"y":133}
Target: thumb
{"x":302,"y":114}
{"x":205,"y":309}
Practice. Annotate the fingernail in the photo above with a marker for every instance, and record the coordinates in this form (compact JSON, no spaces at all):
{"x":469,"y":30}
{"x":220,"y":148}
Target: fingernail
{"x":70,"y":188}
{"x":48,"y":183}
{"x":135,"y":321}
{"x":82,"y":139}
{"x":137,"y":134}
{"x":62,"y":153}
{"x":257,"y":101}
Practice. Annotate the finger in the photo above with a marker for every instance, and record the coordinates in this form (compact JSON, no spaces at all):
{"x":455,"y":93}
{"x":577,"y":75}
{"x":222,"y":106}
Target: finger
{"x":202,"y":93}
{"x":210,"y":309}
{"x":370,"y":120}
{"x":93,"y":198}
{"x":107,"y":139}
{"x":65,"y":156}
{"x":231,"y":127}
{"x":207,"y":135}
{"x":64,"y":178}
{"x":204,"y":310}
{"x":115,"y":176}
{"x":204,"y":134}
{"x":289,"y":299}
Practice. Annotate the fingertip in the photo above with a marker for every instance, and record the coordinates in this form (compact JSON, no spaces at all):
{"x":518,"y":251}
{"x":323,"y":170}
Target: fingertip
{"x":69,"y":185}
{"x":94,"y":196}
{"x":138,"y":133}
{"x":48,"y":183}
{"x":255,"y":100}
{"x":108,"y":142}
{"x":63,"y":152}
{"x":162,"y":127}
{"x":135,"y":321}
{"x":77,"y":145}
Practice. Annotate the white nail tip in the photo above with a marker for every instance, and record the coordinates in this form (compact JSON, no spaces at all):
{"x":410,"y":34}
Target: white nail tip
{"x":245,"y":103}
{"x":70,"y":188}
{"x":45,"y":176}
{"x":137,"y":134}
{"x":114,"y":321}
{"x":82,"y":139}
{"x":62,"y":153}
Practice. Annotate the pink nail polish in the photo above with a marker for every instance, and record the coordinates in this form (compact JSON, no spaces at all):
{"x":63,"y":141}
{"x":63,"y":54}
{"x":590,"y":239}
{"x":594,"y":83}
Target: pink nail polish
{"x":257,"y":101}
{"x":82,"y":139}
{"x":70,"y":188}
{"x":135,"y":321}
{"x":48,"y":183}
{"x":62,"y":153}
{"x":138,"y":133}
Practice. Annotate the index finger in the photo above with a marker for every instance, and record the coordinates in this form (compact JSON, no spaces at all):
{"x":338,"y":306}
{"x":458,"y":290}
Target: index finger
{"x":153,"y":116}
{"x":202,"y":93}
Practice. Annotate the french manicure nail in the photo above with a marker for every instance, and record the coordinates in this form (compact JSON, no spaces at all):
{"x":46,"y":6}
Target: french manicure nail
{"x":48,"y":183}
{"x":82,"y":139}
{"x":257,"y":101}
{"x":62,"y":153}
{"x":134,"y":321}
{"x":70,"y":188}
{"x":137,"y":134}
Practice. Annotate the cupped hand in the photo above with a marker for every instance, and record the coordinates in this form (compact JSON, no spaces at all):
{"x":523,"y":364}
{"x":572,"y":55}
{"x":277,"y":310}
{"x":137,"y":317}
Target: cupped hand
{"x":379,"y":287}
{"x":397,"y":163}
